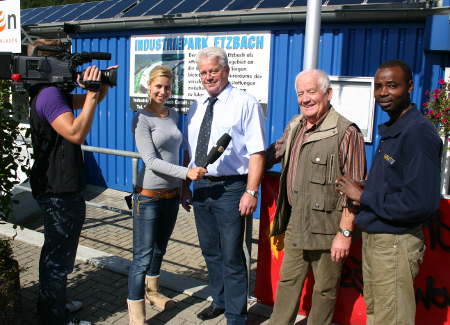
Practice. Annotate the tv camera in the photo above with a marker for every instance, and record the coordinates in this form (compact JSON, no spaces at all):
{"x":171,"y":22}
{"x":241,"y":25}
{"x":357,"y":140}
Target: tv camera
{"x":29,"y":73}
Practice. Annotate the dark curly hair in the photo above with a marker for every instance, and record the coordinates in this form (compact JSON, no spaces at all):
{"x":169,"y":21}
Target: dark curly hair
{"x":401,"y":64}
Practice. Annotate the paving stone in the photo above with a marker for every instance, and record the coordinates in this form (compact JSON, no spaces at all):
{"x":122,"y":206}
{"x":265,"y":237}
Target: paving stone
{"x":103,"y":292}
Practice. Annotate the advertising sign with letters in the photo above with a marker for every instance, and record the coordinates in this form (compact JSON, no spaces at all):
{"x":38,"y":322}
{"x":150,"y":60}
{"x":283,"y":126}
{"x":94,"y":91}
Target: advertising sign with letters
{"x":248,"y":58}
{"x":10,"y":34}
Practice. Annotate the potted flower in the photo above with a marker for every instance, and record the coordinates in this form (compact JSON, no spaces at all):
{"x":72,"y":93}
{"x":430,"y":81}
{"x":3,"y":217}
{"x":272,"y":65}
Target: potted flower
{"x":437,"y":108}
{"x":437,"y":111}
{"x":10,"y":163}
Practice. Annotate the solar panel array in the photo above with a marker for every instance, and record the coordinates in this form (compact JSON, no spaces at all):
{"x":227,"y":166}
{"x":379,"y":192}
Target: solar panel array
{"x":135,"y":8}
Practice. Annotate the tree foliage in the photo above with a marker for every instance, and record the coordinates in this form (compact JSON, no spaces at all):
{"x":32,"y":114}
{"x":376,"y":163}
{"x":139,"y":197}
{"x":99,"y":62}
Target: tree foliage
{"x":25,"y":4}
{"x":12,"y":160}
{"x":10,"y":163}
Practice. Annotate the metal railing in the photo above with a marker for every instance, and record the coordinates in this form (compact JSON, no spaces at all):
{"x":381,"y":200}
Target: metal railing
{"x":135,"y":156}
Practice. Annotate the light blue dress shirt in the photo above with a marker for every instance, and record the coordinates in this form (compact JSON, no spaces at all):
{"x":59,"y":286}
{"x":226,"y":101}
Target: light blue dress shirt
{"x":236,"y":113}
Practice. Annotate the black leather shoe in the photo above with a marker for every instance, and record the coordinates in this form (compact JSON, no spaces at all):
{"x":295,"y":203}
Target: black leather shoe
{"x":210,"y":313}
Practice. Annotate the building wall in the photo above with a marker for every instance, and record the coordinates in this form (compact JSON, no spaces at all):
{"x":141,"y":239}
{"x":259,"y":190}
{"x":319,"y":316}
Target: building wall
{"x":346,"y":49}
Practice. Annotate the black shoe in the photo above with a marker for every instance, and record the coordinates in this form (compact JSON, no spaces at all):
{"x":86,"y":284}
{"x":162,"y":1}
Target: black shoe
{"x":210,"y":313}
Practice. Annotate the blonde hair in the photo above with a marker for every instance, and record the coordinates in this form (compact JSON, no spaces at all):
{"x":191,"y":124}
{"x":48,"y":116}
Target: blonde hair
{"x":160,"y":71}
{"x":44,"y":42}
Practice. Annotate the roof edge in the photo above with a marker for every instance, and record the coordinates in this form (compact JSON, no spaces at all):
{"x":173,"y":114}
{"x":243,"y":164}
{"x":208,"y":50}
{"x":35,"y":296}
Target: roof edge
{"x":257,"y":16}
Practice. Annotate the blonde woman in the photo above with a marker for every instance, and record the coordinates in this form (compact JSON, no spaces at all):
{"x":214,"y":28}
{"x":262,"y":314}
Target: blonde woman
{"x":157,"y":194}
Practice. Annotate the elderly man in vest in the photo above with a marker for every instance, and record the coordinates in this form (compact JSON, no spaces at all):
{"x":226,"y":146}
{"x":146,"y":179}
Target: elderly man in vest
{"x":316,"y":147}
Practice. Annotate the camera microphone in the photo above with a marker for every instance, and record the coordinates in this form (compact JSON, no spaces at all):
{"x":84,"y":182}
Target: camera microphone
{"x":217,"y":150}
{"x":85,"y":57}
{"x":100,"y":56}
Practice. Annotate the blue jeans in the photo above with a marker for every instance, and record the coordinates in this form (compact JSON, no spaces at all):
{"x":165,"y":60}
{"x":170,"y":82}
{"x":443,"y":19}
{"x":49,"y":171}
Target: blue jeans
{"x":220,"y":228}
{"x":64,"y":216}
{"x":153,"y":223}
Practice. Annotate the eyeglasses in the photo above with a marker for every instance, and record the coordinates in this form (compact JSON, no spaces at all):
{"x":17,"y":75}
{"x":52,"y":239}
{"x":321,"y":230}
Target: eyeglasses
{"x":212,"y":73}
{"x":310,"y":93}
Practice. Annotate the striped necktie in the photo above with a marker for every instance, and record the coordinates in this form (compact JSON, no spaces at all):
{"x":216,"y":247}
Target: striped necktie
{"x":203,"y":136}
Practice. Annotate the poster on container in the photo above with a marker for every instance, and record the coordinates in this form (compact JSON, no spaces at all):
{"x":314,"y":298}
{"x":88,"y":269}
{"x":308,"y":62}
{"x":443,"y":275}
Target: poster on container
{"x":248,"y":58}
{"x":10,"y":34}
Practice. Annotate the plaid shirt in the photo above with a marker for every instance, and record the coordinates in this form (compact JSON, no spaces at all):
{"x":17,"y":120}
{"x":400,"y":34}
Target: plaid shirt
{"x":352,"y":155}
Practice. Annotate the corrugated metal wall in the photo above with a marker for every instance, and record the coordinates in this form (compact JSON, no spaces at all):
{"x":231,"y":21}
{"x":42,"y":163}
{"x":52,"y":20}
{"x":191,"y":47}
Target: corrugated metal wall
{"x":346,"y":49}
{"x":112,"y":122}
{"x":349,"y":50}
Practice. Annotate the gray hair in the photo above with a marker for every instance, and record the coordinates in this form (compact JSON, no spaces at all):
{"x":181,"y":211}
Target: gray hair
{"x":213,"y":53}
{"x":322,"y":78}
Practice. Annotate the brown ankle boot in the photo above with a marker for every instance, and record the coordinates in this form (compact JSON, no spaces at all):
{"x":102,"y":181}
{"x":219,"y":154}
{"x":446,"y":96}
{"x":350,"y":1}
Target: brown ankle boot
{"x":154,"y":296}
{"x":136,"y":311}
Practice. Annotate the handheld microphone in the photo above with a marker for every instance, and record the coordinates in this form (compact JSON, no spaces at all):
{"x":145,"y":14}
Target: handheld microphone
{"x":217,"y":150}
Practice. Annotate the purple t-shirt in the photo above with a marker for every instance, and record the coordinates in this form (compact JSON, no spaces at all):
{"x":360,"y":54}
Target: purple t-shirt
{"x":51,"y":103}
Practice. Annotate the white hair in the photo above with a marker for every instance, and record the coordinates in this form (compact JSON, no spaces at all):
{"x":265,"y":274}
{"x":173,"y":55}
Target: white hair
{"x":213,"y":53}
{"x":322,"y":78}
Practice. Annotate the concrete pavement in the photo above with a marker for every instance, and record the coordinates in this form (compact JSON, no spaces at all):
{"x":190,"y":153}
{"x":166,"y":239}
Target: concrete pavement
{"x":100,"y":277}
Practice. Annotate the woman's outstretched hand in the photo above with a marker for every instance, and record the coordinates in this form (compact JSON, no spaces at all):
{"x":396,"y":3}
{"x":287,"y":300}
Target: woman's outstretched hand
{"x":196,"y":173}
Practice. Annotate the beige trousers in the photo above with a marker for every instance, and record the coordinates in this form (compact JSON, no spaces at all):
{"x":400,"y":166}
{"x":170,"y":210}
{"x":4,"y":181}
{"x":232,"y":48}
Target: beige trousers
{"x":390,"y":264}
{"x":295,"y":268}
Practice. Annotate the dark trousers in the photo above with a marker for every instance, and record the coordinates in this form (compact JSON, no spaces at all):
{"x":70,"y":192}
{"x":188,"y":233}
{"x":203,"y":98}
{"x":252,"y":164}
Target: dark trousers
{"x":64,"y":216}
{"x":220,"y":228}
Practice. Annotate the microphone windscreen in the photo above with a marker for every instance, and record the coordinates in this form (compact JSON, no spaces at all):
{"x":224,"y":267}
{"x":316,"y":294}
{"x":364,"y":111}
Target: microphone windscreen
{"x":218,"y":149}
{"x":100,"y":56}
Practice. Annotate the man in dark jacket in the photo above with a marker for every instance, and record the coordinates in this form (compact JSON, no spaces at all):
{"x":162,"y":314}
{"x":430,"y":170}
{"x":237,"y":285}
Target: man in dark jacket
{"x":57,"y":179}
{"x":393,"y":205}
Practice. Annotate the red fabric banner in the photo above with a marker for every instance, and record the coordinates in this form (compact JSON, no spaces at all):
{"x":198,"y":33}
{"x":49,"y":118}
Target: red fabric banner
{"x":431,"y":284}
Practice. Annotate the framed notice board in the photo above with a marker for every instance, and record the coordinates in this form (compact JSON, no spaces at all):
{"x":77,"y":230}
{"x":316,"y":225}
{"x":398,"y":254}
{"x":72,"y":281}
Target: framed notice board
{"x":353,"y":98}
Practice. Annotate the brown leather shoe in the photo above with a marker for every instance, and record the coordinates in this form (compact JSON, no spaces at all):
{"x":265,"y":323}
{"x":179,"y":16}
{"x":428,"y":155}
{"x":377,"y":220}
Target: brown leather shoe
{"x":210,"y":313}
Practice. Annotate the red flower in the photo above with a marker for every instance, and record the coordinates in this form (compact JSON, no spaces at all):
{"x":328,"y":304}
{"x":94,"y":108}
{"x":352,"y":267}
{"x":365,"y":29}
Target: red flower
{"x":430,"y":111}
{"x":426,"y":93}
{"x":435,"y":96}
{"x":438,"y":115}
{"x":441,"y":81}
{"x":437,"y":91}
{"x":424,"y":104}
{"x":444,"y":120}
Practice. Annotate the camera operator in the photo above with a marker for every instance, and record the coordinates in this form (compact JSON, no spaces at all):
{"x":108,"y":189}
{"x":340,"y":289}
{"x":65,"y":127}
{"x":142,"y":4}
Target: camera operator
{"x":57,"y":179}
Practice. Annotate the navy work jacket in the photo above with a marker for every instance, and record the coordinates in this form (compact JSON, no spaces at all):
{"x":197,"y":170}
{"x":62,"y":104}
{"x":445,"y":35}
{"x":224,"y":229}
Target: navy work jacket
{"x":403,"y":187}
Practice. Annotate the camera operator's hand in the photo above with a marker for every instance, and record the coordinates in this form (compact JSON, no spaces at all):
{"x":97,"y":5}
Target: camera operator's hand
{"x":91,"y":79}
{"x":112,"y":67}
{"x":90,"y":72}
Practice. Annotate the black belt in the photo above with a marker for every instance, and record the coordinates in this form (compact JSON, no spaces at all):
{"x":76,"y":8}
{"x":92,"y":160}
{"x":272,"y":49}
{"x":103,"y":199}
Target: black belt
{"x":226,"y":178}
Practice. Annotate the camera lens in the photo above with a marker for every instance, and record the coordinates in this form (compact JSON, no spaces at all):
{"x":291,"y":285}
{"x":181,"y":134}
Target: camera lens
{"x":109,"y":77}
